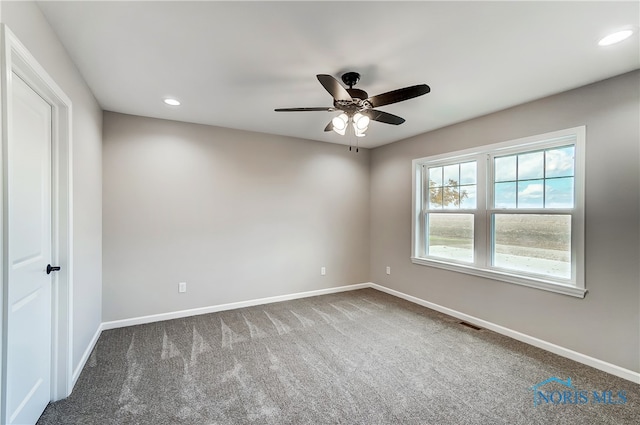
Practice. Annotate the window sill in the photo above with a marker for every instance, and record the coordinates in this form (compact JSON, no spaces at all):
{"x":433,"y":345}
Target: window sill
{"x":531,"y":282}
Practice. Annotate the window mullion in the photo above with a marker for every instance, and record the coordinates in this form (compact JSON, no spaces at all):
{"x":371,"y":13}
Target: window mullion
{"x":481,"y":231}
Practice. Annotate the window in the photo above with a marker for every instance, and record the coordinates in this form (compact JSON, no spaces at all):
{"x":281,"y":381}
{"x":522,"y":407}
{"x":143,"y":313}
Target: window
{"x":451,"y":199}
{"x":512,"y":211}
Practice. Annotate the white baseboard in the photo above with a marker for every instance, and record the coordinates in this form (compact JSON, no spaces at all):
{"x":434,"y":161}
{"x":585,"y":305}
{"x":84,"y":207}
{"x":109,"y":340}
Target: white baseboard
{"x":230,"y":306}
{"x":536,"y":342}
{"x":85,"y":357}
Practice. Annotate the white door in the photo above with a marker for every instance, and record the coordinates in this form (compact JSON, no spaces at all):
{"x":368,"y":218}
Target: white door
{"x":28,"y":232}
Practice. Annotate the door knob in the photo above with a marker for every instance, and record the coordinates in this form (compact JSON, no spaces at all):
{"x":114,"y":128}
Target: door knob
{"x":51,"y":268}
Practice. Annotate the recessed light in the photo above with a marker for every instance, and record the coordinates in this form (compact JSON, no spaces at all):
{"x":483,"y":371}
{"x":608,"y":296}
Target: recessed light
{"x":172,"y":102}
{"x":615,"y":37}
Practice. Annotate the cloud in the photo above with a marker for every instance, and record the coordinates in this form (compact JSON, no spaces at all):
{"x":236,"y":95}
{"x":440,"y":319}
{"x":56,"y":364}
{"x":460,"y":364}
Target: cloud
{"x":533,"y":190}
{"x":560,"y":162}
{"x":530,"y":165}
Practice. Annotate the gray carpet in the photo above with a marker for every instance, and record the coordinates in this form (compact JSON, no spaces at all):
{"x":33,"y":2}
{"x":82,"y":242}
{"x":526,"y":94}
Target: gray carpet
{"x":360,"y":357}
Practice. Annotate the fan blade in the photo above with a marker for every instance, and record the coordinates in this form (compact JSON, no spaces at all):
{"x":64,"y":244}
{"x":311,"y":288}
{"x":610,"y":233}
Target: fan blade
{"x":384,"y":117}
{"x":321,"y":108}
{"x":398,"y":95}
{"x":334,"y":88}
{"x":329,"y":126}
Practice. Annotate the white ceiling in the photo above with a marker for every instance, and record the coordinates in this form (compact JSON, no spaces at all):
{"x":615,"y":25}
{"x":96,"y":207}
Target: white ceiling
{"x":232,"y":63}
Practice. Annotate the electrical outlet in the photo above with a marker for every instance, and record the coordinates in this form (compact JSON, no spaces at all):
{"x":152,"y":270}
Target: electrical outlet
{"x":182,"y":287}
{"x":388,"y":270}
{"x":323,"y":271}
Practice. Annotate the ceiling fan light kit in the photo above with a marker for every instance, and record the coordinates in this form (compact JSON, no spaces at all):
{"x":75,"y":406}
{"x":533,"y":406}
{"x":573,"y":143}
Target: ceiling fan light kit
{"x":356,"y":106}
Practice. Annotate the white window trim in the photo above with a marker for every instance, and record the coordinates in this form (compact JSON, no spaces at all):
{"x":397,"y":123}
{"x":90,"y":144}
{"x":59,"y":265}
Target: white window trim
{"x":483,"y":213}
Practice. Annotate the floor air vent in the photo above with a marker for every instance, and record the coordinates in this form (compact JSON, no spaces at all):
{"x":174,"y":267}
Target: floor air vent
{"x":469,"y":325}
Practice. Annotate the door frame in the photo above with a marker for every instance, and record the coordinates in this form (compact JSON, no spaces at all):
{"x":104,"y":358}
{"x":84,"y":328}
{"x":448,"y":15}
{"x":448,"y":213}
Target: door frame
{"x":15,"y":58}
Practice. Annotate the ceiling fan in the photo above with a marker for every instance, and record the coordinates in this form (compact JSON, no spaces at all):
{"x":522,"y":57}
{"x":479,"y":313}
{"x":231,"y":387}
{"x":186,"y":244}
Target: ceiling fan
{"x":356,"y":105}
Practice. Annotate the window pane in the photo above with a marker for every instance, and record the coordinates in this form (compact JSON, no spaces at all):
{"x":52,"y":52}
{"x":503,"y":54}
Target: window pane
{"x":435,"y":198}
{"x":445,"y":190}
{"x":505,"y":195}
{"x":505,"y":168}
{"x":452,"y":175}
{"x":468,"y":173}
{"x":468,"y":197}
{"x":531,"y":166}
{"x":559,"y":162}
{"x":435,"y":176}
{"x":447,"y":197}
{"x":559,"y":193}
{"x":531,"y":194}
{"x":451,"y":236}
{"x":451,"y":197}
{"x":533,"y":243}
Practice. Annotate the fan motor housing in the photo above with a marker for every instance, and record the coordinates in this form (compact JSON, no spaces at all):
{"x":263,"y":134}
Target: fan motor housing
{"x":352,"y":106}
{"x":359,"y":97}
{"x":358,"y":94}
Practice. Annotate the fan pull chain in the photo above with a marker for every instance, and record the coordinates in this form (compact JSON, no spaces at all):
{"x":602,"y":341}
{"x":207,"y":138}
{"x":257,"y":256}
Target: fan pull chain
{"x":357,"y":144}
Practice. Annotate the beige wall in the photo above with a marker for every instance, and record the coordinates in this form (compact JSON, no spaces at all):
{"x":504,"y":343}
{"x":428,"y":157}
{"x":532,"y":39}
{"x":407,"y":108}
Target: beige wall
{"x":605,"y":324}
{"x":26,"y":21}
{"x":237,"y":215}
